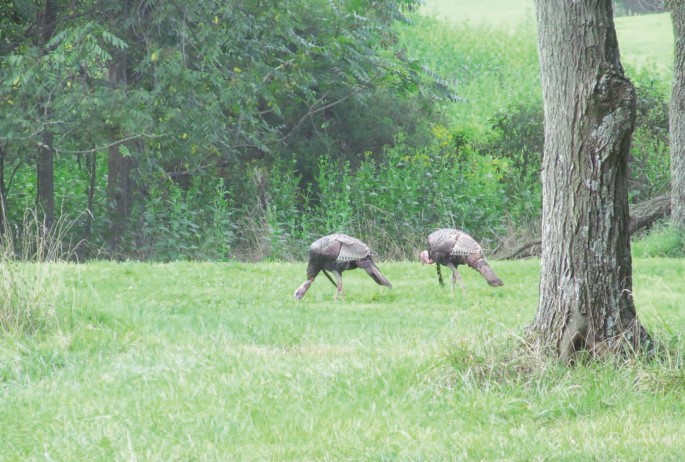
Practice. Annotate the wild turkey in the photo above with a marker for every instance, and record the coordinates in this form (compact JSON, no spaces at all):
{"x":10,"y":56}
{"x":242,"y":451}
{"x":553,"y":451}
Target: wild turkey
{"x":337,"y":253}
{"x":452,"y":247}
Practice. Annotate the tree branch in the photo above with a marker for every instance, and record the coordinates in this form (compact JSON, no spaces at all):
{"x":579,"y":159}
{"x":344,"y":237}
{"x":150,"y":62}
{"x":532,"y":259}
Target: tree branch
{"x":100,"y":148}
{"x":315,"y":110}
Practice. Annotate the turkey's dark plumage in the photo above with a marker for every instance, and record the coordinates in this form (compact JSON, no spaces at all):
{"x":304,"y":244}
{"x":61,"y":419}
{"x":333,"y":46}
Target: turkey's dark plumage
{"x":452,"y":247}
{"x":337,"y":253}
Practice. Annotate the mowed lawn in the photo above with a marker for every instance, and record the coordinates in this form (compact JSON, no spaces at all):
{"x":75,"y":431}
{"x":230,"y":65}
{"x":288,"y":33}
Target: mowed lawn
{"x":216,"y":361}
{"x":644,"y":41}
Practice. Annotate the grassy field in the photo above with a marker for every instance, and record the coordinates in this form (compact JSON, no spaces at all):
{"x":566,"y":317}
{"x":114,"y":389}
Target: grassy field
{"x":216,"y":361}
{"x":644,"y":40}
{"x":493,"y":12}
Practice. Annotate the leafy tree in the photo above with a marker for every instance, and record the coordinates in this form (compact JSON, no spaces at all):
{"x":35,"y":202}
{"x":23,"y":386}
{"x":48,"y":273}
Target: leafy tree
{"x":169,"y":91}
{"x":50,"y":83}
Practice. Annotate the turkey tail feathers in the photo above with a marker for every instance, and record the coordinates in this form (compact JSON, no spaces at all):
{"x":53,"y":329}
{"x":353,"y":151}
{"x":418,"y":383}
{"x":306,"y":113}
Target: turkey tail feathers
{"x":480,"y":264}
{"x":376,"y":274}
{"x":490,"y":276}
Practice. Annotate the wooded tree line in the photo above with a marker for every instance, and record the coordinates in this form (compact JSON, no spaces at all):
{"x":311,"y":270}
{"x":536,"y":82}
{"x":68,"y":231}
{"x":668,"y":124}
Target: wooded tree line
{"x":167,"y":130}
{"x":138,"y":93}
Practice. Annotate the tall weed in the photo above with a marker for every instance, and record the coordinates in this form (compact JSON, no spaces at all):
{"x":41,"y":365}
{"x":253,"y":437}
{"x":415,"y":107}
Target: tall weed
{"x":219,"y":231}
{"x":283,"y":205}
{"x":335,"y":208}
{"x":193,"y":223}
{"x":393,"y":200}
{"x":271,"y":214}
{"x":30,"y":286}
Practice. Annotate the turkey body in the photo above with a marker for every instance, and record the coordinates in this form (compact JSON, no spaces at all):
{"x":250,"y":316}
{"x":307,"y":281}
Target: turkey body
{"x":337,"y":253}
{"x":451,"y":248}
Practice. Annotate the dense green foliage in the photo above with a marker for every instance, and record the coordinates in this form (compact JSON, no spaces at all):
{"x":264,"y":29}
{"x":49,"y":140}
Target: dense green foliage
{"x":154,"y":93}
{"x":204,"y":361}
{"x":244,"y":130}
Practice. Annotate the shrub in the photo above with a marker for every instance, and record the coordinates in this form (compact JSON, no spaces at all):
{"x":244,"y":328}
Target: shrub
{"x":392,"y":201}
{"x":518,"y":137}
{"x":649,"y":155}
{"x":179,"y":224}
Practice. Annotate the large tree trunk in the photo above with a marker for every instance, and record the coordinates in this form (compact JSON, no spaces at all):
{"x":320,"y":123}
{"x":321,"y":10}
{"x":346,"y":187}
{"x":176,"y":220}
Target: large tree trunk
{"x":677,"y":117}
{"x":586,"y":300}
{"x":45,"y":176}
{"x":119,"y":192}
{"x":119,"y":186}
{"x":91,"y":166}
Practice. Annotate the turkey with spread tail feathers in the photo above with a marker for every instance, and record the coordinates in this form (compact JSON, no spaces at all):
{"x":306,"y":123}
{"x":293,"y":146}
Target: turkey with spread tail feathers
{"x":337,"y":253}
{"x":452,"y":247}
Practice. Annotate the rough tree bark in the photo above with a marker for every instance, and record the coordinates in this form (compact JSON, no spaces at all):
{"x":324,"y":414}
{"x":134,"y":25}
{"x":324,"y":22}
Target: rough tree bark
{"x":586,"y":301}
{"x":119,"y":185}
{"x":677,"y":116}
{"x":91,"y":166}
{"x":119,"y":193}
{"x":45,"y":179}
{"x":45,"y":170}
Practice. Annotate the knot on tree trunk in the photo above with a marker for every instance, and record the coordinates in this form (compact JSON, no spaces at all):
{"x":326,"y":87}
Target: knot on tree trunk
{"x":611,"y":115}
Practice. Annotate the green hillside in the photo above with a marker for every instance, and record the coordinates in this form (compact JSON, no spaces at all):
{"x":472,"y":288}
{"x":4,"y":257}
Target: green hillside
{"x":645,"y":40}
{"x":499,"y":12}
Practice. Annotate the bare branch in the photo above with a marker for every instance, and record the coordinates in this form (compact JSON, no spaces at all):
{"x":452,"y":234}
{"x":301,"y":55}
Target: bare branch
{"x":100,"y":148}
{"x":315,"y":110}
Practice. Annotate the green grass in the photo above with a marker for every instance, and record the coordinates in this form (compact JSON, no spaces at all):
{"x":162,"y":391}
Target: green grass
{"x":645,"y":41}
{"x":488,"y":75}
{"x":492,"y":12}
{"x":663,"y":240}
{"x":216,"y":361}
